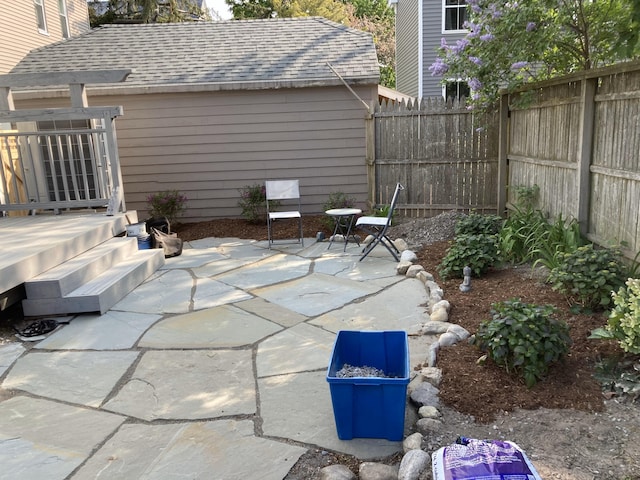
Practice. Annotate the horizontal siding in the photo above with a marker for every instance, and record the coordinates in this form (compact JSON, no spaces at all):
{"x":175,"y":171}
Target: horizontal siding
{"x":209,"y":145}
{"x":19,"y":31}
{"x":407,"y":47}
{"x":78,"y":17}
{"x":432,"y":36}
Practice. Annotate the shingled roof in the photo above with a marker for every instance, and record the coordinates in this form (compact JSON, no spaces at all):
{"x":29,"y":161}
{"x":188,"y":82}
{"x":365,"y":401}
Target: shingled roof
{"x":235,"y":54}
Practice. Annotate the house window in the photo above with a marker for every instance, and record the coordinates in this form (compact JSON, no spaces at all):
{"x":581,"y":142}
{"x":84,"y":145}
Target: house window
{"x":41,"y":19}
{"x":456,"y":89}
{"x":454,"y":15}
{"x":64,"y":20}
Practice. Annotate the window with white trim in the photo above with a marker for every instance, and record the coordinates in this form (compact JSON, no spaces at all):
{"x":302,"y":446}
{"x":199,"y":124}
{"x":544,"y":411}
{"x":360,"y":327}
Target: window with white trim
{"x":41,"y":19}
{"x":456,"y":89}
{"x":454,"y":14}
{"x":64,"y":18}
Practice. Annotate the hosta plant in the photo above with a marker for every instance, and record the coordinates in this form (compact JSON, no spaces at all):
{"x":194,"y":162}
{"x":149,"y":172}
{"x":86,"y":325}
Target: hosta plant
{"x":524,"y":338}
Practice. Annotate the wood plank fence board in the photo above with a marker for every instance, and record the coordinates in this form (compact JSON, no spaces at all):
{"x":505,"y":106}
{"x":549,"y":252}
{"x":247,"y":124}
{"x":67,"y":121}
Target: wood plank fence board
{"x":565,"y":123}
{"x":434,"y":148}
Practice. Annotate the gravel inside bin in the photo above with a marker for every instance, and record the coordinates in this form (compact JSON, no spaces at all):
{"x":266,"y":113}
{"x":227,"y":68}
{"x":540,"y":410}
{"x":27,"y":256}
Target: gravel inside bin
{"x":349,"y":371}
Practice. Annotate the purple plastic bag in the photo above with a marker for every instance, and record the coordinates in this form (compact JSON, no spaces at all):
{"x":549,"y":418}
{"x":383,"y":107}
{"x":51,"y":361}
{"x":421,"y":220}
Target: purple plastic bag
{"x":470,"y":459}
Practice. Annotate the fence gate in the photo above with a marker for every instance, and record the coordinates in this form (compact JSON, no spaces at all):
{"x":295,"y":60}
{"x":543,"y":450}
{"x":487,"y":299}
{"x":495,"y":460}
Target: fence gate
{"x":444,"y":155}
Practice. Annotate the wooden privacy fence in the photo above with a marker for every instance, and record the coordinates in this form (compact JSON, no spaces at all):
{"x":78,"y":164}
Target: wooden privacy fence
{"x":578,"y":139}
{"x":444,"y":155}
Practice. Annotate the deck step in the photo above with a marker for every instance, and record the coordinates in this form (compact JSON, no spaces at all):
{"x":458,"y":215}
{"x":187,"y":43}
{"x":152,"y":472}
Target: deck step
{"x":70,"y":275}
{"x":102,"y":292}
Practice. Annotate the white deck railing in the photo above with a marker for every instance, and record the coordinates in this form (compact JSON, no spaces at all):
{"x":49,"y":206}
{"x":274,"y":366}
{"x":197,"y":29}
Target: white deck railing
{"x":45,"y":169}
{"x":59,"y":158}
{"x":55,"y":169}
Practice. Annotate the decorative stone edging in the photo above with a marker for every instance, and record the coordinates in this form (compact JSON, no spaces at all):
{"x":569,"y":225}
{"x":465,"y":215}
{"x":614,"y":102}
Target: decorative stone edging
{"x":423,"y":387}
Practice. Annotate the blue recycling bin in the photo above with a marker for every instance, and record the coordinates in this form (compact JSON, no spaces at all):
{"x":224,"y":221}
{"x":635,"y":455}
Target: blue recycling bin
{"x":370,"y":407}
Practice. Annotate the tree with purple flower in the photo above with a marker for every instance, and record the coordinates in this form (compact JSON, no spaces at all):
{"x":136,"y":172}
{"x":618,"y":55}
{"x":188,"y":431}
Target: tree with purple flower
{"x":511,"y":43}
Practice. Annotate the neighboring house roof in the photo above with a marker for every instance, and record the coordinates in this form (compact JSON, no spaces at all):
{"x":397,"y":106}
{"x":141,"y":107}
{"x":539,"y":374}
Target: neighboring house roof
{"x":235,"y":54}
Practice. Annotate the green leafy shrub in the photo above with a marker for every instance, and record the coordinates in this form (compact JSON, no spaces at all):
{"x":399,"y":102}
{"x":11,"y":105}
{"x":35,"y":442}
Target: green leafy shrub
{"x":479,"y":252}
{"x":524,"y":228}
{"x":528,"y":236}
{"x":381,"y":211}
{"x":336,"y":200}
{"x":562,"y":236}
{"x":624,"y":318}
{"x":170,"y":204}
{"x":522,"y":234}
{"x":524,"y":338}
{"x":477,"y":224}
{"x":587,"y":276}
{"x":253,"y":202}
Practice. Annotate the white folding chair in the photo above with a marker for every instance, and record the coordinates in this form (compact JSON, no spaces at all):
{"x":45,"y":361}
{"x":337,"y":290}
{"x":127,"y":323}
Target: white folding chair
{"x":378,"y":226}
{"x":282,"y":194}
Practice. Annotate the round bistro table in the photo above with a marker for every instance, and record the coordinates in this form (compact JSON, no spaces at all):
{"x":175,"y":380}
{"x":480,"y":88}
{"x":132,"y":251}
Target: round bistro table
{"x":343,"y":217}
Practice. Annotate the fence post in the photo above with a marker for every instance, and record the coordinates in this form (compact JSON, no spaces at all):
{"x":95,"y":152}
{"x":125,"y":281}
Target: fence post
{"x":370,"y":129}
{"x":503,"y":122}
{"x":585,"y":146}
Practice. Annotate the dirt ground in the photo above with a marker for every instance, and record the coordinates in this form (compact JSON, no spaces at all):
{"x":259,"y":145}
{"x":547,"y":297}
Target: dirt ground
{"x":569,"y":427}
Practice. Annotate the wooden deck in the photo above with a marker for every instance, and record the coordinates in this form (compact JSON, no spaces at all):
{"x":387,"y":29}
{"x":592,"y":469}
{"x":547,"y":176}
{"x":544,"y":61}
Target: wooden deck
{"x":34,"y":244}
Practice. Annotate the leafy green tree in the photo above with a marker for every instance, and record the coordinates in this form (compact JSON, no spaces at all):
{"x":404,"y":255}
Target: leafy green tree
{"x":382,"y":28}
{"x":245,"y":9}
{"x":510,"y":43}
{"x":330,"y":9}
{"x":145,"y":11}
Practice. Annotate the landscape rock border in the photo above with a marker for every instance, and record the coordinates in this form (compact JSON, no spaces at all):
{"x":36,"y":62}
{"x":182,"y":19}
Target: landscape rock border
{"x":423,"y":387}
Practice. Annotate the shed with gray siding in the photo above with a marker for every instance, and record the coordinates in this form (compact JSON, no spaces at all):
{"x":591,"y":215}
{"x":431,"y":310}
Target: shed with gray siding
{"x":212,"y":107}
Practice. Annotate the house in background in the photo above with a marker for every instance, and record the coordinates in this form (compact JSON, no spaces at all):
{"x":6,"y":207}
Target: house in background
{"x":29,"y":24}
{"x":211,"y":107}
{"x":420,"y":27}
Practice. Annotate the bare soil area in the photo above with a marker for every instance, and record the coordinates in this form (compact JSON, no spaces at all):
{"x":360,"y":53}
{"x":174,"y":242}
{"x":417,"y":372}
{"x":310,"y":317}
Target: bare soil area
{"x":570,"y":427}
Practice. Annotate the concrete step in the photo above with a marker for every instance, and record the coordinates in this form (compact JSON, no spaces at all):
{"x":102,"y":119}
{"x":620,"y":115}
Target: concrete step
{"x":102,"y":292}
{"x":70,"y":275}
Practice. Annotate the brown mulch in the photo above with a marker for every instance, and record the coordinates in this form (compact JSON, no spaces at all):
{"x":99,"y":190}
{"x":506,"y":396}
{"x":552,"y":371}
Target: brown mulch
{"x":485,"y":390}
{"x":468,"y":387}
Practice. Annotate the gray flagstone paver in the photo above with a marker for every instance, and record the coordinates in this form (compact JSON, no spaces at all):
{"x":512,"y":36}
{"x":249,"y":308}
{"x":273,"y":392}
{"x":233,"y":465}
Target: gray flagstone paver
{"x":276,"y":269}
{"x":229,"y":331}
{"x":111,"y":331}
{"x":280,"y":315}
{"x":191,"y":258}
{"x":211,"y":293}
{"x":399,"y":307}
{"x":222,"y":266}
{"x":298,"y":406}
{"x":226,"y":326}
{"x":191,"y":384}
{"x":225,"y":449}
{"x":296,"y":349}
{"x":78,"y":377}
{"x":166,"y":293}
{"x":41,"y":439}
{"x":315,"y":293}
{"x":351,"y":268}
{"x":9,"y":353}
